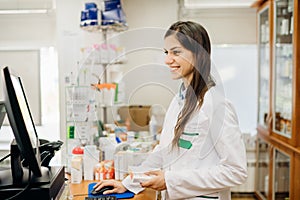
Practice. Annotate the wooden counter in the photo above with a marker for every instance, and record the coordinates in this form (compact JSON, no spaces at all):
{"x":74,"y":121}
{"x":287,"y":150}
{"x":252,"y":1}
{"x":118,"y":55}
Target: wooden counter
{"x":79,"y":192}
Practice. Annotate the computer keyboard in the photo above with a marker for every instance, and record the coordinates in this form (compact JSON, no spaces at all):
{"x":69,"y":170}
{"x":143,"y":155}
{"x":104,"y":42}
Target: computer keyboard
{"x":101,"y":198}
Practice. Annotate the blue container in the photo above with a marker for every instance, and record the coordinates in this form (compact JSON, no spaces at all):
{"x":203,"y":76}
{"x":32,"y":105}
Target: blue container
{"x":89,"y":6}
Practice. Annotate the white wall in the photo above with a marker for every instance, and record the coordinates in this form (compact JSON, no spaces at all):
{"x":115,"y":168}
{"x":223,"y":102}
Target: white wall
{"x":70,"y":39}
{"x":139,"y":14}
{"x":155,"y":13}
{"x":35,"y":32}
{"x":237,"y":67}
{"x":226,"y":25}
{"x":233,"y":36}
{"x":27,"y":31}
{"x":147,"y":22}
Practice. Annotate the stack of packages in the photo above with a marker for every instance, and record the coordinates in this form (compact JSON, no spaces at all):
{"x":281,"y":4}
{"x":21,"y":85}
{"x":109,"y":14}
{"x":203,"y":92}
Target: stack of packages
{"x":112,"y":14}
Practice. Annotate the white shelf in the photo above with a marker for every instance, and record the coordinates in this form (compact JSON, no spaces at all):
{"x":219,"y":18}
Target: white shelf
{"x":117,"y":27}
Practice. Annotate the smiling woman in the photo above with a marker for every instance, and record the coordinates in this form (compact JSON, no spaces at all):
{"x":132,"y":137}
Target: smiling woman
{"x":201,"y":154}
{"x":180,"y":60}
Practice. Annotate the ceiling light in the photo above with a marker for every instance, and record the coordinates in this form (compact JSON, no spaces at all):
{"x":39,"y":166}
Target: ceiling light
{"x":204,"y":4}
{"x":12,"y":12}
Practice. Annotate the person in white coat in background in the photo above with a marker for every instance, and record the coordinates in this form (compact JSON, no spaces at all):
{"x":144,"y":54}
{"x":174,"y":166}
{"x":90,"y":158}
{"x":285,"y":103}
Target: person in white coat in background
{"x":201,"y":154}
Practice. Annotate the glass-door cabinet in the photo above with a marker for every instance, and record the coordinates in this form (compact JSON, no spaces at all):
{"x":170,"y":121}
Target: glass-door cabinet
{"x":262,"y":169}
{"x":278,"y":129}
{"x":263,"y":66}
{"x":281,"y":171}
{"x":283,"y":67}
{"x":264,"y":101}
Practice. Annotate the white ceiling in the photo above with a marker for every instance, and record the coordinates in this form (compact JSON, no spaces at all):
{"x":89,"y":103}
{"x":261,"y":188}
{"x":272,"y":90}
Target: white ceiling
{"x":47,"y":4}
{"x":31,"y":5}
{"x":196,"y":4}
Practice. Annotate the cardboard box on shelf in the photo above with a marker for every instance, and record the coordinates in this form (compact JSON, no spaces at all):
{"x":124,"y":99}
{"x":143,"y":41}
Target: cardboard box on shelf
{"x":138,"y":116}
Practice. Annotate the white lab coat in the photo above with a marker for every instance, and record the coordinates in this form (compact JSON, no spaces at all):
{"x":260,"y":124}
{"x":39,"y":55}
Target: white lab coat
{"x":216,"y":160}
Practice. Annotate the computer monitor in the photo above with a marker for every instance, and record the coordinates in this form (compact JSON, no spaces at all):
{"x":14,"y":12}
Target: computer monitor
{"x":2,"y":113}
{"x":26,"y":138}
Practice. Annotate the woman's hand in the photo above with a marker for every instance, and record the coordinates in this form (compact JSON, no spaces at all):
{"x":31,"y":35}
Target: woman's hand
{"x":157,"y":182}
{"x":118,"y":186}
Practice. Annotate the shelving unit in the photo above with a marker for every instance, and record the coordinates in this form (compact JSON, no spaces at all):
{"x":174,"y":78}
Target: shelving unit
{"x":80,"y":112}
{"x":105,"y":65}
{"x":82,"y":99}
{"x":278,"y":144}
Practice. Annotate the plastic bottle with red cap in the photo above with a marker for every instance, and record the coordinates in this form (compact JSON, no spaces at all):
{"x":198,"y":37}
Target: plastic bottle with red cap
{"x":77,"y":151}
{"x":77,"y":165}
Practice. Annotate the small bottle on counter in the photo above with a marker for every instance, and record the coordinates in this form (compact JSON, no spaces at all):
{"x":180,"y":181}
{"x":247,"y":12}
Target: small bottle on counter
{"x":77,"y":165}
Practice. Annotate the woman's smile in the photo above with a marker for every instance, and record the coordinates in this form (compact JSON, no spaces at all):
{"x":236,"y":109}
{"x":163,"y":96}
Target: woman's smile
{"x":179,"y":59}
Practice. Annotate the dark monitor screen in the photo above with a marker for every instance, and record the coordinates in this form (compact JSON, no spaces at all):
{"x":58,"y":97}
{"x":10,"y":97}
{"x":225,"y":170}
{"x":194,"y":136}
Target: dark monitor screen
{"x":2,"y":114}
{"x":24,"y":109}
{"x":20,"y":120}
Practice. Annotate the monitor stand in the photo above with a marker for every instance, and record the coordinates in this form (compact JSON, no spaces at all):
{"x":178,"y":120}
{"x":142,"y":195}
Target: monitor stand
{"x":17,"y":179}
{"x":18,"y":176}
{"x":45,"y":191}
{"x":7,"y":179}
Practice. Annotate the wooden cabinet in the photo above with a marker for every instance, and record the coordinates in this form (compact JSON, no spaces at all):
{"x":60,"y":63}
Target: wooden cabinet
{"x":264,"y":65}
{"x":281,"y":175}
{"x":262,"y":169}
{"x":284,"y":71}
{"x":278,"y":142}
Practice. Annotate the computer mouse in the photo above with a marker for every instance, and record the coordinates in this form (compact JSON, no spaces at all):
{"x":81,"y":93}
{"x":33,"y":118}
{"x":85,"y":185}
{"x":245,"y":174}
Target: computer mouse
{"x":103,"y":189}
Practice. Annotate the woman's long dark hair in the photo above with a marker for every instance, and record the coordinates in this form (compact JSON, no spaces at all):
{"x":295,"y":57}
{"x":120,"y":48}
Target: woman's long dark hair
{"x":193,"y":37}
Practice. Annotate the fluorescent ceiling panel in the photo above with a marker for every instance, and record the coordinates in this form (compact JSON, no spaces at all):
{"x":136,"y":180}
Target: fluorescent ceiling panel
{"x":196,"y":4}
{"x":25,"y":4}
